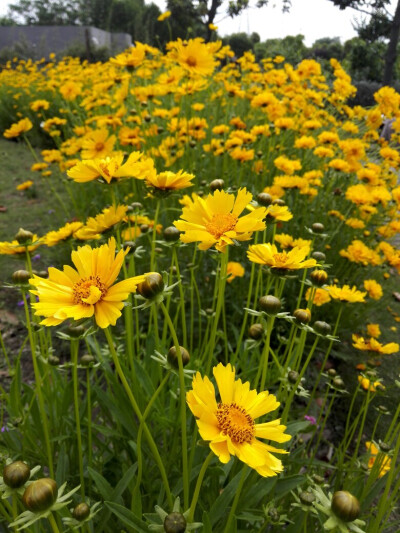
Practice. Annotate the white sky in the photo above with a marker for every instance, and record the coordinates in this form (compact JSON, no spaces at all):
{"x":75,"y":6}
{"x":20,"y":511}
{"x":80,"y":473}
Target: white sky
{"x":312,"y":18}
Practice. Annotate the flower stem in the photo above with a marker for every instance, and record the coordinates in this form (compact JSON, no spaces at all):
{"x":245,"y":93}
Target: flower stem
{"x":138,"y":413}
{"x":53,"y":524}
{"x":182,"y":407}
{"x":198,"y":485}
{"x":74,"y":361}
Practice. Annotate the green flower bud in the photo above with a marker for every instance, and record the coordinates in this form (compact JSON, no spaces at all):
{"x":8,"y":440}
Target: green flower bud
{"x":175,"y":523}
{"x":53,"y":360}
{"x":307,"y":498}
{"x":264,"y":199}
{"x":302,"y":316}
{"x":332,"y":372}
{"x":21,"y":277}
{"x":87,"y":359}
{"x":270,"y":304}
{"x":40,"y":495}
{"x":293,"y":376}
{"x":323,"y":328}
{"x":217,"y":184}
{"x":81,"y":511}
{"x":345,"y":506}
{"x":151,"y":286}
{"x":319,"y":277}
{"x":16,"y":474}
{"x":256,"y":331}
{"x":172,"y":356}
{"x":317,"y":227}
{"x":171,"y":234}
{"x":319,"y":256}
{"x":338,"y":383}
{"x":24,"y":236}
{"x":75,"y":331}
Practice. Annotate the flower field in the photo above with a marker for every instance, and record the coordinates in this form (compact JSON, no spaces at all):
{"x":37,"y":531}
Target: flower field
{"x":207,"y":344}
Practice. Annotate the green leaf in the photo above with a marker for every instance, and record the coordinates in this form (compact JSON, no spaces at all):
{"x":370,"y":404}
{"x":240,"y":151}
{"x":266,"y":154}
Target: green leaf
{"x":285,"y":484}
{"x":14,"y":404}
{"x":127,"y":517}
{"x":221,"y":504}
{"x":297,"y":427}
{"x":122,"y":485}
{"x":103,"y":486}
{"x":207,"y":528}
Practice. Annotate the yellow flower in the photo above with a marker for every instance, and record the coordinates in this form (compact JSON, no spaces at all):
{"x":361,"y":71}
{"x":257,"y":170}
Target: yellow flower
{"x":109,"y":217}
{"x":194,"y":55}
{"x":385,"y":462}
{"x":212,"y":27}
{"x":170,"y":181}
{"x":368,"y":385}
{"x":373,"y":288}
{"x":15,"y":248}
{"x":132,"y":57}
{"x":136,"y":166}
{"x":229,"y":425}
{"x":345,"y":293}
{"x":164,"y":16}
{"x":268,"y":254}
{"x":54,"y":237}
{"x":97,"y":144}
{"x":24,"y":185}
{"x":374,"y":330}
{"x":372,"y":345}
{"x":234,"y":270}
{"x":18,"y":128}
{"x":89,"y":290}
{"x":215,"y":220}
{"x":321,"y":296}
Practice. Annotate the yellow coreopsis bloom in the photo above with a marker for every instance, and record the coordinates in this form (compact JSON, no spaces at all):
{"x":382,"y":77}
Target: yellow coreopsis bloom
{"x":229,"y":425}
{"x":25,"y":185}
{"x":194,"y":55}
{"x":87,"y":291}
{"x":345,"y":293}
{"x":268,"y":254}
{"x":373,"y":288}
{"x":17,"y":129}
{"x":215,"y":220}
{"x":97,"y":144}
{"x":54,"y":237}
{"x":374,"y":451}
{"x":164,"y":16}
{"x":372,"y":345}
{"x":234,"y":270}
{"x":170,"y":181}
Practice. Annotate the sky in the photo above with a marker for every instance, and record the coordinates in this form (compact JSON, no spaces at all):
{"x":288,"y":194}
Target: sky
{"x":312,"y":18}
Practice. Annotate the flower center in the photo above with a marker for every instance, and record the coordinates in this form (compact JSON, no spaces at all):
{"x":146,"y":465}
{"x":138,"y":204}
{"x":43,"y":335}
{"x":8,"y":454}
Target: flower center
{"x":281,"y":258}
{"x":221,"y":223}
{"x":191,"y":61}
{"x":89,"y":291}
{"x":235,"y":422}
{"x":99,"y":146}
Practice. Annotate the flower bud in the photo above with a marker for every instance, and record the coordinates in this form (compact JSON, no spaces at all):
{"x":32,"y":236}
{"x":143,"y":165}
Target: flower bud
{"x":317,"y":227}
{"x":175,"y":523}
{"x":136,"y":205}
{"x":302,"y":316}
{"x":217,"y":184}
{"x":321,"y":327}
{"x":171,"y":234}
{"x":307,"y":498}
{"x":278,"y":201}
{"x":53,"y":360}
{"x":151,"y":286}
{"x":319,"y":277}
{"x":384,"y":446}
{"x":293,"y":376}
{"x":81,"y":511}
{"x":16,"y":474}
{"x":318,"y":256}
{"x":256,"y":331}
{"x":40,"y":495}
{"x":75,"y":331}
{"x":23,"y":236}
{"x":144,"y":228}
{"x":318,"y":479}
{"x":264,"y":199}
{"x":172,"y":356}
{"x":338,"y":382}
{"x":345,"y":506}
{"x":270,"y":304}
{"x":21,"y":277}
{"x":87,"y":359}
{"x":332,"y":372}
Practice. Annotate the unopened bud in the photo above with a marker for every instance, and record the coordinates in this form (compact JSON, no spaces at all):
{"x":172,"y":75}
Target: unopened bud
{"x":171,"y":234}
{"x":21,"y":277}
{"x":302,"y":316}
{"x":319,"y":277}
{"x":23,"y":236}
{"x":16,"y":474}
{"x":256,"y":331}
{"x":345,"y":506}
{"x":270,"y":304}
{"x":40,"y":495}
{"x":264,"y":199}
{"x":323,"y":328}
{"x":151,"y":286}
{"x":217,"y":184}
{"x":81,"y":511}
{"x":172,"y":356}
{"x":175,"y":523}
{"x":317,"y":227}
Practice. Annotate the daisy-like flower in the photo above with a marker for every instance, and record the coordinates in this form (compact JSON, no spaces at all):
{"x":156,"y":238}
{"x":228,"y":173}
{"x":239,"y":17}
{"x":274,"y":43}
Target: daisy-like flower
{"x":229,"y":424}
{"x":164,"y":16}
{"x":25,"y":185}
{"x":234,"y":270}
{"x":54,"y":237}
{"x":267,"y":254}
{"x":385,"y":463}
{"x":97,"y":144}
{"x":194,"y":55}
{"x":170,"y":181}
{"x":215,"y":220}
{"x":17,"y":129}
{"x":345,"y":293}
{"x":16,"y":248}
{"x":87,"y":291}
{"x":132,"y":57}
{"x":372,"y":345}
{"x":109,"y":217}
{"x":136,"y":166}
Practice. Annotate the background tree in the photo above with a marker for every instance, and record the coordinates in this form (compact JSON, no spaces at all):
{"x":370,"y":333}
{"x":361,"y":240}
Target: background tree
{"x":382,"y":25}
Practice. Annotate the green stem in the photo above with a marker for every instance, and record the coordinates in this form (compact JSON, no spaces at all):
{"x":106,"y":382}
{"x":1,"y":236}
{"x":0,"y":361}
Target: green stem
{"x":135,"y":407}
{"x":38,"y":381}
{"x":198,"y":485}
{"x":74,"y":361}
{"x":89,"y":417}
{"x":53,"y":524}
{"x":182,"y":407}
